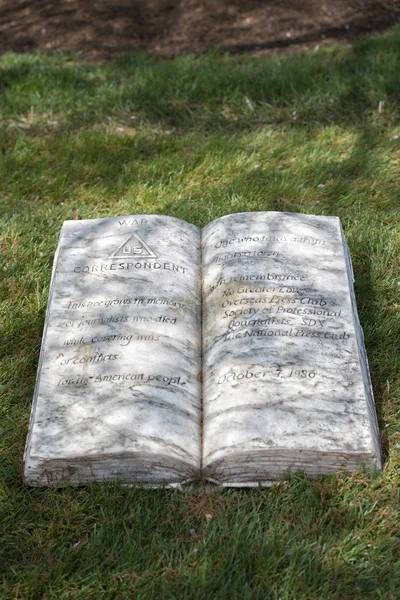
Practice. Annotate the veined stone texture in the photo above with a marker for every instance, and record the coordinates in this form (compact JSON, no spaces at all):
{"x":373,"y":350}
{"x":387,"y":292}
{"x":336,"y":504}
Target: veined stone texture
{"x":118,"y":394}
{"x":285,"y":377}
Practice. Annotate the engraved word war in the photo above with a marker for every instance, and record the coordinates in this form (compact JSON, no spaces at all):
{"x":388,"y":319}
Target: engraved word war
{"x":132,"y":222}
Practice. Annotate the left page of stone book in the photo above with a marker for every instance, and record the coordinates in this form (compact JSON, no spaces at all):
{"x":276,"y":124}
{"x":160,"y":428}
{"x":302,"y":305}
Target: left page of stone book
{"x":117,"y":394}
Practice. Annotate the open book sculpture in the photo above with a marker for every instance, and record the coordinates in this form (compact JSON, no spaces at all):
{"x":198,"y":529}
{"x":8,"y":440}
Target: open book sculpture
{"x":232,"y":353}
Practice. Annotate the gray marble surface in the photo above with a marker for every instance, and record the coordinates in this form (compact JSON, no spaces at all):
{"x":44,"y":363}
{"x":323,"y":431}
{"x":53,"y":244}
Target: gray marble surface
{"x":118,"y":394}
{"x":285,"y":376}
{"x":286,"y":383}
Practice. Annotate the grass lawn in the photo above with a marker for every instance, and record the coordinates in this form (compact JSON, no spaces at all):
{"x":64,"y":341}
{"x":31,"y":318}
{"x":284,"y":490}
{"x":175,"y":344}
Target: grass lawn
{"x":197,"y":138}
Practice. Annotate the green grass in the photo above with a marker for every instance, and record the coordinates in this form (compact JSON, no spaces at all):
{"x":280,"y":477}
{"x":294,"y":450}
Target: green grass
{"x":211,"y":135}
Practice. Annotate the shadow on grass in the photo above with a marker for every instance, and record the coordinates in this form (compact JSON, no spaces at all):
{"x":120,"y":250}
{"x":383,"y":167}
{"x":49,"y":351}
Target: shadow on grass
{"x":120,"y":161}
{"x":213,"y":104}
{"x":243,"y":191}
{"x":302,"y":540}
{"x":209,"y":92}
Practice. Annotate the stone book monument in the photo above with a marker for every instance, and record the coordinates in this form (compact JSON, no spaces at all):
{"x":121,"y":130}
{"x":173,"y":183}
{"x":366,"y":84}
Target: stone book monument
{"x":170,"y":353}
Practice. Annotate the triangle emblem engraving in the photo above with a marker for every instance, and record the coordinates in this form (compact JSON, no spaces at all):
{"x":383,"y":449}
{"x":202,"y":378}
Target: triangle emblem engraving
{"x":133,"y":247}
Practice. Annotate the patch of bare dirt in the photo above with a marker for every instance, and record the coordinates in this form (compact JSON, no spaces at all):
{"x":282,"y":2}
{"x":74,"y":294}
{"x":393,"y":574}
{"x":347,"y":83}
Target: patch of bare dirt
{"x":108,"y":28}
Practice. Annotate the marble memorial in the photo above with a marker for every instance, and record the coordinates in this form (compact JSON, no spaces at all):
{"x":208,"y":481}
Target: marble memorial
{"x":170,"y":353}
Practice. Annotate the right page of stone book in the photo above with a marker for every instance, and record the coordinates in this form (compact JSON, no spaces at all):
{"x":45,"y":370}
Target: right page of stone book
{"x":286,"y":384}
